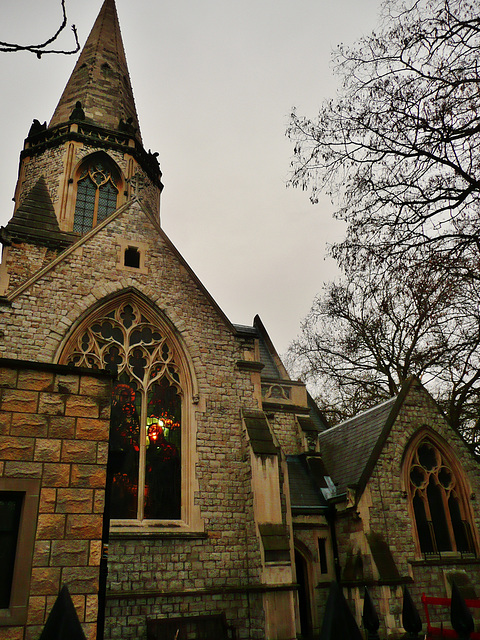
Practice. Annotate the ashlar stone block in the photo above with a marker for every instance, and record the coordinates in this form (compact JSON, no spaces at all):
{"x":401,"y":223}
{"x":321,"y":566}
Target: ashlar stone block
{"x":28,"y":424}
{"x":74,"y":501}
{"x":69,"y":553}
{"x":81,"y":406}
{"x":84,"y":526}
{"x":19,"y":400}
{"x":34,"y":380}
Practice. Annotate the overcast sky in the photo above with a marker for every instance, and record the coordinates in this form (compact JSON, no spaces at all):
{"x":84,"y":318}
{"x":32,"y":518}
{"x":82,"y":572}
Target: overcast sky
{"x":214,"y":82}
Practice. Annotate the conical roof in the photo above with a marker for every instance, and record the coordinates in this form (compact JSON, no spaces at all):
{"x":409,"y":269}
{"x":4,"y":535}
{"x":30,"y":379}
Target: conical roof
{"x":100,"y":79}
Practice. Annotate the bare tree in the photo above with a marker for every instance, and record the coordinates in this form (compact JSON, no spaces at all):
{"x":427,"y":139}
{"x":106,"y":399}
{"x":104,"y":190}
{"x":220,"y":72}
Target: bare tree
{"x":40,"y":49}
{"x":399,"y":147}
{"x":365,"y":335}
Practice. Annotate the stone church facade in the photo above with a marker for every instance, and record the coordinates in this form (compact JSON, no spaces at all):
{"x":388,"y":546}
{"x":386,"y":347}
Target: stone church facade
{"x":136,"y":418}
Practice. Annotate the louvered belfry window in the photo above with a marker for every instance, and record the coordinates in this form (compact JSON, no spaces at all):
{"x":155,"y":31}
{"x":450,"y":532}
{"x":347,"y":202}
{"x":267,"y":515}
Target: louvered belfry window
{"x":97,"y":194}
{"x":145,"y":436}
{"x":438,"y":503}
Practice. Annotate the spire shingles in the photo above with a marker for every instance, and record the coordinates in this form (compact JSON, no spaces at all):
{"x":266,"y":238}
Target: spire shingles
{"x":100,"y":80}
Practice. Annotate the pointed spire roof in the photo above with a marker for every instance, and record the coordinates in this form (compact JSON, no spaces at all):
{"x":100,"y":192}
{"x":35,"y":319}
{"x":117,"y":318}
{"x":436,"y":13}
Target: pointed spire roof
{"x":100,"y":80}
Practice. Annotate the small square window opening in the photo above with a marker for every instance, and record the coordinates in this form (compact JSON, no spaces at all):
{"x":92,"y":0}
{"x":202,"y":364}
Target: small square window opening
{"x":132,"y":257}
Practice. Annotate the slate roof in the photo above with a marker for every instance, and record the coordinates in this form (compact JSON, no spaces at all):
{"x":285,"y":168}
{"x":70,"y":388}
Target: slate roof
{"x":35,"y":221}
{"x":270,"y":369}
{"x":319,"y":420}
{"x":306,"y":481}
{"x":259,"y":433}
{"x":348,"y":447}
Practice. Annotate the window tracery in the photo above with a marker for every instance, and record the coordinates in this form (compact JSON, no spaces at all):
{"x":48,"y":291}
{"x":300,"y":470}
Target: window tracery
{"x":439,"y":505}
{"x":146,"y":421}
{"x":97,"y":193}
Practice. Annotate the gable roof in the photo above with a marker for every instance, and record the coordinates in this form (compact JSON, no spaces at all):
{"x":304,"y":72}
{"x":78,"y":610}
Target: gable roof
{"x":350,"y":449}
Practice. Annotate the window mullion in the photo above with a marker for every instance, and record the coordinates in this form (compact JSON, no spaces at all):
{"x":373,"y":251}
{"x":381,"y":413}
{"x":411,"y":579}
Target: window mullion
{"x":142,"y":458}
{"x":95,"y":207}
{"x":448,"y":517}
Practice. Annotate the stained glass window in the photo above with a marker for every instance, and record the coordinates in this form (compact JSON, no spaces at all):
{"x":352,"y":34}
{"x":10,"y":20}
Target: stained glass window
{"x":438,"y":504}
{"x":96,"y":195}
{"x":145,"y":441}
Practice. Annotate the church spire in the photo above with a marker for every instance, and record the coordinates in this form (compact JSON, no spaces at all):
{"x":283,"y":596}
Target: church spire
{"x":100,"y":80}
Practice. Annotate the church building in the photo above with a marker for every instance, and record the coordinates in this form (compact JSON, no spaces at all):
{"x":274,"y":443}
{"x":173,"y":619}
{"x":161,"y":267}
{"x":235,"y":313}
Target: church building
{"x":157,"y":459}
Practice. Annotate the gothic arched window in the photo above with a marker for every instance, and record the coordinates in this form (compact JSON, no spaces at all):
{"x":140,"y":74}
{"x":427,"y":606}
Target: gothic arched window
{"x":147,"y":405}
{"x":438,"y":501}
{"x":97,"y":192}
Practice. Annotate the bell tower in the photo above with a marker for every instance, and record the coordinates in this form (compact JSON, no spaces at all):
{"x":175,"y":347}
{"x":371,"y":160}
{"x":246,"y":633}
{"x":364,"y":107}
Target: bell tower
{"x":90,"y":158}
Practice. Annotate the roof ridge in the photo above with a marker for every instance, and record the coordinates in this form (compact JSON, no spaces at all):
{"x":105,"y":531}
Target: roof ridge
{"x":362,"y":413}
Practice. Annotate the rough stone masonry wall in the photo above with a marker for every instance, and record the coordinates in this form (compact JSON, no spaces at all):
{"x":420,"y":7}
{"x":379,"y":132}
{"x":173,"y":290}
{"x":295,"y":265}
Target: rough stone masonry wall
{"x":51,"y":165}
{"x":54,"y":425}
{"x":285,"y":428}
{"x":22,"y":260}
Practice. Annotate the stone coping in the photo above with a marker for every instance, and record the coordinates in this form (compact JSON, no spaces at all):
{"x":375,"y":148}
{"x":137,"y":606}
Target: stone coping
{"x":11,"y":363}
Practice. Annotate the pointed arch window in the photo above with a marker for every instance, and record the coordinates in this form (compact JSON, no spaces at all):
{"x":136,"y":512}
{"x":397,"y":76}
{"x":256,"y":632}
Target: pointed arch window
{"x":439,"y":504}
{"x":98,"y":187}
{"x":146,"y":437}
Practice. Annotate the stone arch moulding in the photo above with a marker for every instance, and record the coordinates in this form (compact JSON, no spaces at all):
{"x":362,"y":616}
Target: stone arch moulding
{"x":438,"y":493}
{"x":153,"y":428}
{"x":110,"y":177}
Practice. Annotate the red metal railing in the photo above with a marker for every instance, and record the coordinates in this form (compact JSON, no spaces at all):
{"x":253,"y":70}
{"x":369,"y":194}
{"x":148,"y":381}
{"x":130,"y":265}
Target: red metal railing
{"x":441,"y":632}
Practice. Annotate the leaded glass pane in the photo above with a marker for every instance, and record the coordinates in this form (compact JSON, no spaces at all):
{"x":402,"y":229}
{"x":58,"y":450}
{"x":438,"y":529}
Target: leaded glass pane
{"x":124,"y":450}
{"x":107,"y":201}
{"x":423,"y":529}
{"x":426,"y":456}
{"x":458,"y":525}
{"x":85,"y":206}
{"x":162,"y":477}
{"x":437,"y":512}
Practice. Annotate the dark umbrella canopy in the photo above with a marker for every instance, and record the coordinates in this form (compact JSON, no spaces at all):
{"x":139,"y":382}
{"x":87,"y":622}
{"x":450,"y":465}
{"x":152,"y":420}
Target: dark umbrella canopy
{"x":338,"y":621}
{"x":62,"y":622}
